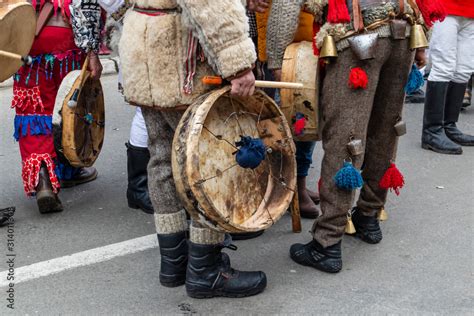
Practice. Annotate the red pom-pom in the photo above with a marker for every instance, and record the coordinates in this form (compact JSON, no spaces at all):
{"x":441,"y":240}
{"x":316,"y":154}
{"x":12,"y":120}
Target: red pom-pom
{"x":432,"y":11}
{"x":338,"y":12}
{"x":392,"y":179}
{"x":358,"y":78}
{"x":299,"y":126}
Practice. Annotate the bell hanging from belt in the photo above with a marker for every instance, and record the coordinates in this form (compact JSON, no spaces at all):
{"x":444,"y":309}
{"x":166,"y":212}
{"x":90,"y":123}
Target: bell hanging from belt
{"x":418,"y":37}
{"x":364,"y":45}
{"x":328,"y":50}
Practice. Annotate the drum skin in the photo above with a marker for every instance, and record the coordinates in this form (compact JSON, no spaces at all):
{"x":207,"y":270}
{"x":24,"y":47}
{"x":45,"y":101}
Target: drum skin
{"x":214,"y":189}
{"x":83,"y":127}
{"x":301,"y":65}
{"x":18,"y":26}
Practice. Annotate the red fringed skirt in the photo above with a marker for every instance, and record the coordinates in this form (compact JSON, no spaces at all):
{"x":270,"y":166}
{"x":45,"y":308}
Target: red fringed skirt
{"x":34,"y":93}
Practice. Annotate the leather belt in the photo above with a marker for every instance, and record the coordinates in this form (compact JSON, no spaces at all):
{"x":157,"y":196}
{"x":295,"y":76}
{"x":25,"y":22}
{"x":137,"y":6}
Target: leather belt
{"x":156,"y":12}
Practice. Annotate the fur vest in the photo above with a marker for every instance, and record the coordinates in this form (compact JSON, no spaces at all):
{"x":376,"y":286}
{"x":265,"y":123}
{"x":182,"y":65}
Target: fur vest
{"x":159,"y":54}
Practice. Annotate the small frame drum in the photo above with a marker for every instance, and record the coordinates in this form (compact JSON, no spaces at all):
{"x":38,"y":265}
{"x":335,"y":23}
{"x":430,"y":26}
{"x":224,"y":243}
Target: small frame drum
{"x":214,"y":189}
{"x":82,"y":126}
{"x":17,"y":33}
{"x":301,"y":65}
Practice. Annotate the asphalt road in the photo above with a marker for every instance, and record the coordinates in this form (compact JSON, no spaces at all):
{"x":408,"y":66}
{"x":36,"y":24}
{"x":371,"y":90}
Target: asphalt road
{"x":424,"y":265}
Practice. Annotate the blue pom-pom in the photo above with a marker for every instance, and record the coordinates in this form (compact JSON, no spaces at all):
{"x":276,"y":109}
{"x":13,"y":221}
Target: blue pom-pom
{"x":251,"y":153}
{"x":348,"y":178}
{"x":415,"y":80}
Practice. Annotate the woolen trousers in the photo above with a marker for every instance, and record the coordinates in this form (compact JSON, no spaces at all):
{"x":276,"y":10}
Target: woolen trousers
{"x":366,"y":114}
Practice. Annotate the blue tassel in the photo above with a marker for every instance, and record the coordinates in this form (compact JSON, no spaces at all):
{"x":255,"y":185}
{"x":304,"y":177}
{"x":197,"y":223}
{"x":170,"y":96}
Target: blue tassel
{"x":348,"y":178}
{"x":251,"y":153}
{"x":35,"y":124}
{"x":415,"y":80}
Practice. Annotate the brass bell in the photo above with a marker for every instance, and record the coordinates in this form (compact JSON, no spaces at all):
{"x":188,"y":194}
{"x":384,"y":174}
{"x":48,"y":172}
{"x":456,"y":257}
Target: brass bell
{"x":382,"y":215}
{"x":418,"y":37}
{"x":328,"y":50}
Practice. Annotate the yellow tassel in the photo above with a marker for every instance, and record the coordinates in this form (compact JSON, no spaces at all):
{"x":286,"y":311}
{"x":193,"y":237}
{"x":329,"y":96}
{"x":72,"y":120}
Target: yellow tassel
{"x":383,"y":216}
{"x":350,"y":229}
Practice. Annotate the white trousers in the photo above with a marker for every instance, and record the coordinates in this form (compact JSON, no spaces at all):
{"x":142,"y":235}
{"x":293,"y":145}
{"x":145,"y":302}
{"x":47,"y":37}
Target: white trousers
{"x":138,"y":132}
{"x":452,"y":50}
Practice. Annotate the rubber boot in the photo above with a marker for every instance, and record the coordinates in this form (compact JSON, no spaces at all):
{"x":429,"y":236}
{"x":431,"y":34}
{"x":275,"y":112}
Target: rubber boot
{"x":47,"y":200}
{"x":367,"y":227}
{"x":210,"y":275}
{"x":174,"y":258}
{"x":454,"y":101}
{"x":314,"y":255}
{"x":308,"y":208}
{"x":137,"y":190}
{"x":433,"y":136}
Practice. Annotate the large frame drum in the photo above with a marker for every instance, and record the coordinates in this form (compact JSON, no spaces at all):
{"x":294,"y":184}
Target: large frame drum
{"x":301,"y":65}
{"x":215,"y":190}
{"x":17,"y":33}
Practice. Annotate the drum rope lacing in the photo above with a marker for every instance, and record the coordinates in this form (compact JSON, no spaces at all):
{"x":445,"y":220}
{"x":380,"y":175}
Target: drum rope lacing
{"x":235,"y":114}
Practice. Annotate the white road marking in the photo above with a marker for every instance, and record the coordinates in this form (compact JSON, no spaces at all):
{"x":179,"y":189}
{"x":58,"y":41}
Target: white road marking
{"x":80,"y":259}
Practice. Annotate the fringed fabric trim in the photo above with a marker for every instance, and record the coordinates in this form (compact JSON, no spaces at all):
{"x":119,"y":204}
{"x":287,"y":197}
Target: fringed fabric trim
{"x":27,"y":98}
{"x":31,"y":169}
{"x":32,"y":125}
{"x":68,"y":61}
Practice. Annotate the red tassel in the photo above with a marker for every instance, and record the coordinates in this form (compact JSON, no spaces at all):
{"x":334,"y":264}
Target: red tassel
{"x":358,"y":78}
{"x":299,"y":126}
{"x":320,"y":183}
{"x":432,"y":11}
{"x":338,"y":12}
{"x":392,"y":179}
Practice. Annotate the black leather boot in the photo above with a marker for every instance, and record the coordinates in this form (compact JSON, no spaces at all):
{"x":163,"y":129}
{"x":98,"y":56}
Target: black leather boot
{"x":137,"y":190}
{"x":47,"y":200}
{"x":314,"y":255}
{"x":83,"y":175}
{"x":453,"y":107}
{"x":174,"y":258}
{"x":434,"y":137}
{"x":209,"y":275}
{"x":367,"y":227}
{"x":5,"y":215}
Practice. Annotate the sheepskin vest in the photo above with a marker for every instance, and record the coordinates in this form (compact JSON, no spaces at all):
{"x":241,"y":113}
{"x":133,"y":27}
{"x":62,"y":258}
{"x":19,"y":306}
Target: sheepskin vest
{"x":155,"y":49}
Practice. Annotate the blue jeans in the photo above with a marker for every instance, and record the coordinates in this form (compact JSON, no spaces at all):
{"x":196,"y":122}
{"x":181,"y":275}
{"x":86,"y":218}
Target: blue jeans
{"x":304,"y":157}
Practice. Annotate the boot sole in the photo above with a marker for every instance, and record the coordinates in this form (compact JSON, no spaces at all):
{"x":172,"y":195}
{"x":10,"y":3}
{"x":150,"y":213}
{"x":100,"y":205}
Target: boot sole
{"x":204,"y":293}
{"x":70,"y":184}
{"x":440,"y":151}
{"x":47,"y":202}
{"x":366,"y":240}
{"x":320,"y":268}
{"x":137,"y":207}
{"x":169,"y":281}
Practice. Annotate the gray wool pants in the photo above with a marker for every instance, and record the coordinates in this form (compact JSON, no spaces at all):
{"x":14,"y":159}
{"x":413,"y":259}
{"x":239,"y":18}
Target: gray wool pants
{"x":366,"y":114}
{"x":170,"y":216}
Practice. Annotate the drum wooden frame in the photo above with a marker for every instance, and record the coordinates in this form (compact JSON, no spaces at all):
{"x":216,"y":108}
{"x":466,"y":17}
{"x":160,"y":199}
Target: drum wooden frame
{"x":213,"y":188}
{"x":301,"y":65}
{"x":83,"y":137}
{"x":18,"y":26}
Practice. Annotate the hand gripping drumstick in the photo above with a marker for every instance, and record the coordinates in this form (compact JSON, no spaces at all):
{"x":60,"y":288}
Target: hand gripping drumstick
{"x":217,"y":81}
{"x":27,"y":60}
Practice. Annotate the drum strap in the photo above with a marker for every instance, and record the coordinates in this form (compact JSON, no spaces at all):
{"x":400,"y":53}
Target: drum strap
{"x":45,"y":14}
{"x":357,"y":16}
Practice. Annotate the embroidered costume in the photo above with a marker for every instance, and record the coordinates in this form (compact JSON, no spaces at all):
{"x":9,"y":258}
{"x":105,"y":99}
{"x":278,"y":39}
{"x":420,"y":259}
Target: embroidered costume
{"x":56,"y":51}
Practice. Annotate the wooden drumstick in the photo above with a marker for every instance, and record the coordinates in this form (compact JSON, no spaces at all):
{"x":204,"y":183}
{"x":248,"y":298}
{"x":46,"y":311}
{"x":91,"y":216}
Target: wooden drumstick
{"x":27,"y":60}
{"x":216,"y":81}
